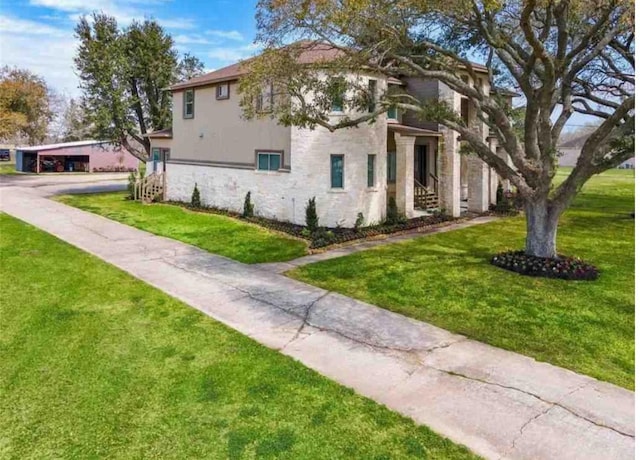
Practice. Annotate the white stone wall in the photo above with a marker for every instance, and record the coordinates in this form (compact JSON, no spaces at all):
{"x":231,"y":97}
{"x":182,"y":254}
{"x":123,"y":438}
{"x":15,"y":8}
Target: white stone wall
{"x":284,"y":195}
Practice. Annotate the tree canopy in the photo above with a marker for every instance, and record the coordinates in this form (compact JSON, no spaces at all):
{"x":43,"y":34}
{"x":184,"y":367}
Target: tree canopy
{"x":24,"y":106}
{"x":563,"y":56}
{"x":123,"y":75}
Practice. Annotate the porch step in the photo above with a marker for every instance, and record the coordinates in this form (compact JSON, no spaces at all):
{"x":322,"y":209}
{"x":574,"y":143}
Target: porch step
{"x":424,"y":198}
{"x":426,"y":202}
{"x":149,"y":188}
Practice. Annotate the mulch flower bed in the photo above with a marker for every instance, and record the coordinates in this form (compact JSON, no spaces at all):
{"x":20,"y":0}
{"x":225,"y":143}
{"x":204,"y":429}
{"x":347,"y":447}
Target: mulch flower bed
{"x":324,"y":236}
{"x":567,"y":268}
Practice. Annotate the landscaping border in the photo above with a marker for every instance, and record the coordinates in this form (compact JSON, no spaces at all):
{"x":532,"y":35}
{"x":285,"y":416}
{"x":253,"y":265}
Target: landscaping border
{"x":326,"y":237}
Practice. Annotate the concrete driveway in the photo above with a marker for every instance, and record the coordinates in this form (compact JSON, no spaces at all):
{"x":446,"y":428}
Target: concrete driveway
{"x":55,"y":184}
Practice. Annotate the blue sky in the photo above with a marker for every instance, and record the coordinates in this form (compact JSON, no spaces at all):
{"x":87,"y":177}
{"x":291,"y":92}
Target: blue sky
{"x":38,"y":34}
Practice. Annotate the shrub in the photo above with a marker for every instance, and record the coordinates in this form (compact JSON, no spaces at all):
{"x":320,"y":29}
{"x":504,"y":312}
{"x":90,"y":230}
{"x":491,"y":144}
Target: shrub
{"x":393,"y":215}
{"x":131,"y":185}
{"x":568,"y":268}
{"x":311,"y":216}
{"x":248,"y":206}
{"x":499,"y":194}
{"x":195,"y":197}
{"x":359,"y":222}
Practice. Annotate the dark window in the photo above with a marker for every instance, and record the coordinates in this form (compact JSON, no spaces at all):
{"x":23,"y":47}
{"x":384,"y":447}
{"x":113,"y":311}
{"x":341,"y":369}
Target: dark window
{"x":337,"y":171}
{"x":464,"y":110}
{"x":371,"y":170}
{"x":268,"y":161}
{"x":264,"y":102}
{"x":337,"y":95}
{"x":373,"y":84}
{"x":222,"y":91}
{"x":337,"y":103}
{"x":392,"y":113}
{"x":188,"y":104}
{"x":391,"y":167}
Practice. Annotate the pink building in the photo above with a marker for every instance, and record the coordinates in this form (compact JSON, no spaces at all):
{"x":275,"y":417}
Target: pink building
{"x":81,"y":156}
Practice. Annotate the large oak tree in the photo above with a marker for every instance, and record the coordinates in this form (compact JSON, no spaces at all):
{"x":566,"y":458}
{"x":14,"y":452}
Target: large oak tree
{"x":563,"y":56}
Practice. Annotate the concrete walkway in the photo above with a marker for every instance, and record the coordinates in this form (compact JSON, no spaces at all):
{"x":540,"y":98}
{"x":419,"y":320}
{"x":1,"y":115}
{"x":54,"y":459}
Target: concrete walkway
{"x":281,"y":267}
{"x":499,"y":404}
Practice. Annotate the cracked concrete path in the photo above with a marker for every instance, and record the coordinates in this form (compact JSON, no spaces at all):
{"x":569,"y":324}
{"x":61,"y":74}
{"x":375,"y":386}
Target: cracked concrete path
{"x":498,"y":403}
{"x":281,"y":267}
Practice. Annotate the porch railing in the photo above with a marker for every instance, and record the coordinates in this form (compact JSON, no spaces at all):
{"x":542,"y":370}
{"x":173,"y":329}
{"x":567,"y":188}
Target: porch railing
{"x":423,"y":198}
{"x":150,"y":188}
{"x":435,"y":182}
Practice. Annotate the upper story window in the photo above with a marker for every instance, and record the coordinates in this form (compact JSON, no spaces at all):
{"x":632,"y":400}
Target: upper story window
{"x":269,"y":161}
{"x":392,"y":113}
{"x":337,"y":104}
{"x":337,"y":90}
{"x":222,"y":91}
{"x":188,"y":104}
{"x":264,"y":102}
{"x":373,"y":85}
{"x":464,"y":110}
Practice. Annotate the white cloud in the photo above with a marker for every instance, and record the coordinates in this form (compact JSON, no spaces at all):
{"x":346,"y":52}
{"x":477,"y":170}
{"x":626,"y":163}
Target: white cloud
{"x":227,"y":34}
{"x":21,"y":26}
{"x":192,"y":39}
{"x":21,"y":45}
{"x":124,"y":11}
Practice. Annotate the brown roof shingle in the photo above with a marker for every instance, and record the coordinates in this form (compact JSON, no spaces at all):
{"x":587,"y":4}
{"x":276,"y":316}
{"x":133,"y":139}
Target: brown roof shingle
{"x":312,"y":53}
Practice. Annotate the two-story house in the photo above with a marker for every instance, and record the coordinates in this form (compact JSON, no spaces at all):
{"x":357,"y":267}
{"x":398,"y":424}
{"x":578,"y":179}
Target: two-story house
{"x":349,"y":171}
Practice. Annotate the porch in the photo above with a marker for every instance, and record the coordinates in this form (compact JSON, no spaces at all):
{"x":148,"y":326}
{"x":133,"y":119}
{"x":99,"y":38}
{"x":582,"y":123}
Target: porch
{"x":426,"y":172}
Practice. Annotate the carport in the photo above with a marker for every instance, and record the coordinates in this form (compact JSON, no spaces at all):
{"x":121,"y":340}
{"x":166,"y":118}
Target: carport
{"x":80,"y":156}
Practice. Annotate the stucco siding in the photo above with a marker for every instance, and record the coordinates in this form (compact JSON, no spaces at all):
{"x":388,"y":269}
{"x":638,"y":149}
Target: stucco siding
{"x":217,"y":133}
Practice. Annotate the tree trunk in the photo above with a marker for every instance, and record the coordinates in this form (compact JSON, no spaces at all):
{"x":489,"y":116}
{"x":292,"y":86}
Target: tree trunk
{"x":542,"y":226}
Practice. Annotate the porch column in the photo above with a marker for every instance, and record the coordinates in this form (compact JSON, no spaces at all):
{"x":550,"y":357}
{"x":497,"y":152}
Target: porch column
{"x":404,"y":173}
{"x":449,"y":174}
{"x":478,"y":184}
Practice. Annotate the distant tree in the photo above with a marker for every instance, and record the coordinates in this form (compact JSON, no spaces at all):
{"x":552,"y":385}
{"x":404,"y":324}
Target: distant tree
{"x":564,"y":57}
{"x":189,"y":67}
{"x":24,"y":106}
{"x":123,"y":74}
{"x":74,"y":124}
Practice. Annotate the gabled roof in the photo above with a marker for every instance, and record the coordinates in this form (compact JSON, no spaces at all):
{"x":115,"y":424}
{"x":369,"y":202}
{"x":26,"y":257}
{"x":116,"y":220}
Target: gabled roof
{"x":315,"y":53}
{"x":39,"y":148}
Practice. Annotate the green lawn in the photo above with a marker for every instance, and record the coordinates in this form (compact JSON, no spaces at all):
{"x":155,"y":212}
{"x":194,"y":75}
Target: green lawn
{"x":96,"y":364}
{"x":222,"y":235}
{"x":7,"y":168}
{"x":446,"y":279}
